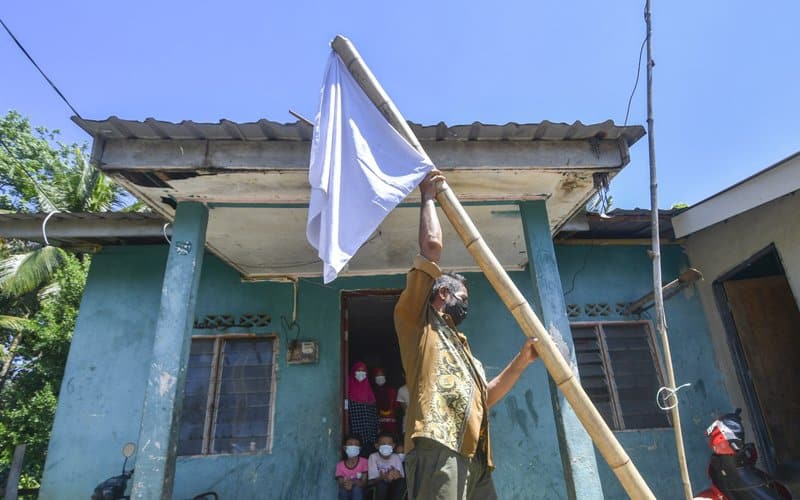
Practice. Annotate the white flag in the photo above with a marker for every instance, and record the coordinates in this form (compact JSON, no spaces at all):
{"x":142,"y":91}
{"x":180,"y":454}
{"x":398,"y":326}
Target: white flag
{"x":360,"y":169}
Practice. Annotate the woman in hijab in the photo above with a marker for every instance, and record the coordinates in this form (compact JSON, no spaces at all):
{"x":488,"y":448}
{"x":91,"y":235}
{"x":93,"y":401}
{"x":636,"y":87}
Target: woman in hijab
{"x":362,"y":411}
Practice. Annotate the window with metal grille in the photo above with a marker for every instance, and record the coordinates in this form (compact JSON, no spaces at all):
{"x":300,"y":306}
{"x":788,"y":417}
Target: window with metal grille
{"x":620,"y":370}
{"x":229,"y":395}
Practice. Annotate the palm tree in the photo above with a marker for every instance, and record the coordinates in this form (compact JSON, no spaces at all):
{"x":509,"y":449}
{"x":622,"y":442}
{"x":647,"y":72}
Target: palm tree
{"x":36,"y":176}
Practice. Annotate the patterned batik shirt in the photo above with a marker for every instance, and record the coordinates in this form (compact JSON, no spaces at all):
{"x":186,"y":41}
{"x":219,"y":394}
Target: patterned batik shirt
{"x":447,"y":385}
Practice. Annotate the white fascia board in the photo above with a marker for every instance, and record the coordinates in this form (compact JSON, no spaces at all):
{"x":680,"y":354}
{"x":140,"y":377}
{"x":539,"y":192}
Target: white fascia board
{"x":767,"y":185}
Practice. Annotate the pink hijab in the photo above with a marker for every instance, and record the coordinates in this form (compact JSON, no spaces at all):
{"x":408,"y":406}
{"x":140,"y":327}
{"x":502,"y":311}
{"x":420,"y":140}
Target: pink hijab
{"x":359,"y":392}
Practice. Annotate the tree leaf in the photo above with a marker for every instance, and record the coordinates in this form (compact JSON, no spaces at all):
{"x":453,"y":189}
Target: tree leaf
{"x":24,"y":273}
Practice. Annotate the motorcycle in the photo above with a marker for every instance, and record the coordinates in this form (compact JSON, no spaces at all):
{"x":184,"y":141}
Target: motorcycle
{"x":732,"y":466}
{"x":114,"y":488}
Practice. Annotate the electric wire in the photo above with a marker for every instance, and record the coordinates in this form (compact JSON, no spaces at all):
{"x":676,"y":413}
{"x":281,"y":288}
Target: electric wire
{"x":636,"y":82}
{"x":53,"y":85}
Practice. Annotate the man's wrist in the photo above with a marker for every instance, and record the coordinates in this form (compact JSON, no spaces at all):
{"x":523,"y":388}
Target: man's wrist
{"x":521,"y":360}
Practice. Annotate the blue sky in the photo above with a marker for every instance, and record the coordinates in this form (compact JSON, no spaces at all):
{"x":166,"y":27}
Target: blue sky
{"x":726,"y":77}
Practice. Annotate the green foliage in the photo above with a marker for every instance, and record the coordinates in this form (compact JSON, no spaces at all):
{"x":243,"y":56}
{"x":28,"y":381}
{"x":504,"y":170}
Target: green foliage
{"x":678,"y":206}
{"x":40,"y":286}
{"x":25,"y":272}
{"x":28,"y":399}
{"x":40,"y":174}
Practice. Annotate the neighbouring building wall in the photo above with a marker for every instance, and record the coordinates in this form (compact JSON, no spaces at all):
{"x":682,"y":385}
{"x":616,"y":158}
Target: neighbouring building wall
{"x":621,"y":274}
{"x":722,"y":247}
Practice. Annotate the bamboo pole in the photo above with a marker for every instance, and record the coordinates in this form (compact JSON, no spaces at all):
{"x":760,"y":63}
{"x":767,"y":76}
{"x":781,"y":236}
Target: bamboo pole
{"x":556,"y":365}
{"x":658,"y":297}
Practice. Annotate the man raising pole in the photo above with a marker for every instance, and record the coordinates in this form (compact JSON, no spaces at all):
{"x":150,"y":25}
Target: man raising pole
{"x":448,"y":452}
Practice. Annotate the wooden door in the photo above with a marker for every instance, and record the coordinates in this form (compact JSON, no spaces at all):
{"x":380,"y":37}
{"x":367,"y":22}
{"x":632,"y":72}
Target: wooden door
{"x":768,"y":323}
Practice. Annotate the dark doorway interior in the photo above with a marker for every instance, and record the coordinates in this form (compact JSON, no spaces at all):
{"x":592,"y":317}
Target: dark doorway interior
{"x":369,"y":336}
{"x":763,"y":326}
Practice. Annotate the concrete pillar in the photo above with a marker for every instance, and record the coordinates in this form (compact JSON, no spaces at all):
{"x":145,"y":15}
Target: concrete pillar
{"x":158,"y":434}
{"x":577,"y":450}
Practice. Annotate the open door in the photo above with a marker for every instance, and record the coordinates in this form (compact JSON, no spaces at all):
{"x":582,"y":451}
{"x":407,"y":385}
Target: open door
{"x":368,"y":336}
{"x":766,"y":331}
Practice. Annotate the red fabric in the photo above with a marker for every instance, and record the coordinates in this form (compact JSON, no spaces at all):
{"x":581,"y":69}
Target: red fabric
{"x":710,"y":494}
{"x":360,"y":392}
{"x":386,"y":401}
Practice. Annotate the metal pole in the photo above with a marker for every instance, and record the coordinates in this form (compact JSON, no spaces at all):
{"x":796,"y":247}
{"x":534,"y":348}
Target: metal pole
{"x":655,"y":254}
{"x":560,"y":371}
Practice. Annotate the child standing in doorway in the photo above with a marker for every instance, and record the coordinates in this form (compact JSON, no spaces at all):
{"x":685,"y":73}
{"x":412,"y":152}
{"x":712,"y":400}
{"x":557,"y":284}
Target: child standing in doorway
{"x":385,"y":470}
{"x":351,"y":473}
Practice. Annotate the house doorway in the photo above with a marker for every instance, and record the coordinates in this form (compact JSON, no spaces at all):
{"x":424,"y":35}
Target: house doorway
{"x":368,"y":336}
{"x":763,"y":327}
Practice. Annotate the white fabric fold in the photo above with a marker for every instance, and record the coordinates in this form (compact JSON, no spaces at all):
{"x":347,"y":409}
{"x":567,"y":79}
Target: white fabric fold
{"x":360,"y":169}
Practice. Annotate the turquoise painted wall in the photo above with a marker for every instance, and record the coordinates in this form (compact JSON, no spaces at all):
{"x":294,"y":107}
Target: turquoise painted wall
{"x":611,"y":274}
{"x":100,"y":402}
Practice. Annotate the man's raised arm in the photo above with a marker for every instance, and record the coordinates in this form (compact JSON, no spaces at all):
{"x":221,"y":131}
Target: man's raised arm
{"x":430,"y":231}
{"x":414,"y":299}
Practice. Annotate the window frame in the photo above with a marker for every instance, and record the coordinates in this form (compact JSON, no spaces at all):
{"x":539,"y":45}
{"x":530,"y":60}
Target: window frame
{"x":213,"y":395}
{"x":658,"y":366}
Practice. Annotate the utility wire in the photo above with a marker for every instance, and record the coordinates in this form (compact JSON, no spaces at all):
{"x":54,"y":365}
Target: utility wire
{"x":63,"y":98}
{"x":635,"y":83}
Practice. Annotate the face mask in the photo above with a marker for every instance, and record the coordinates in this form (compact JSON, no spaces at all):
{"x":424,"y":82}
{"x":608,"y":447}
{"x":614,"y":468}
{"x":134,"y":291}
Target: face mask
{"x":380,"y":380}
{"x":360,"y":376}
{"x":456,"y":308}
{"x":402,"y":456}
{"x":352,"y":450}
{"x":385,"y":449}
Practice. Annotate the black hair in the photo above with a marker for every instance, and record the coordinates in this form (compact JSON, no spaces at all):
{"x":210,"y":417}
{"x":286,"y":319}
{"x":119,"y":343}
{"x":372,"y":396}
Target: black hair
{"x":386,"y":434}
{"x":348,"y":437}
{"x":451,"y":281}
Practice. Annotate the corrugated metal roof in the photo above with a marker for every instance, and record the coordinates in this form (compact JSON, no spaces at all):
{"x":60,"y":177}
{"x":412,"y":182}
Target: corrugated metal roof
{"x":82,"y":229}
{"x":623,"y":224}
{"x":265,"y":130}
{"x":84,"y":216}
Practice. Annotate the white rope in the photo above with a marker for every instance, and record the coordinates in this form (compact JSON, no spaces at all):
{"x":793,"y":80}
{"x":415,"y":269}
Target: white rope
{"x":671,"y":393}
{"x":164,"y":232}
{"x":44,"y":226}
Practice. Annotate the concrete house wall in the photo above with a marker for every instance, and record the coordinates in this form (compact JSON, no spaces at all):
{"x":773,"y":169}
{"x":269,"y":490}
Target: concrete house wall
{"x":723,"y":246}
{"x":100,"y":402}
{"x":621,"y":274}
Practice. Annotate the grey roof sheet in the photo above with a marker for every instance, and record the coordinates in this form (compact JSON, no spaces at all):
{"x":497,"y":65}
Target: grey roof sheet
{"x":623,"y":224}
{"x":633,"y":223}
{"x":265,"y":130}
{"x":83,"y":216}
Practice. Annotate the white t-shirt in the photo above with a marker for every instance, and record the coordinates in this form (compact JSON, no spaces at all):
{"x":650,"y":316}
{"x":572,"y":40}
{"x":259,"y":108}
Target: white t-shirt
{"x":402,"y":397}
{"x":378,"y":464}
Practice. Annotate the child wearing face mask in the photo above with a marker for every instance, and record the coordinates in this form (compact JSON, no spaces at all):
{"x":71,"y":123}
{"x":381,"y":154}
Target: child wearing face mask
{"x":385,"y":470}
{"x":363,"y":414}
{"x":386,"y":402}
{"x":351,"y":473}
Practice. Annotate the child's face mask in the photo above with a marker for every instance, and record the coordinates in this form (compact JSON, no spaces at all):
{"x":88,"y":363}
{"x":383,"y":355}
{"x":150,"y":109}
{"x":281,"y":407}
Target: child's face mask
{"x":380,"y":380}
{"x":352,"y":450}
{"x":360,"y":376}
{"x":385,"y":450}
